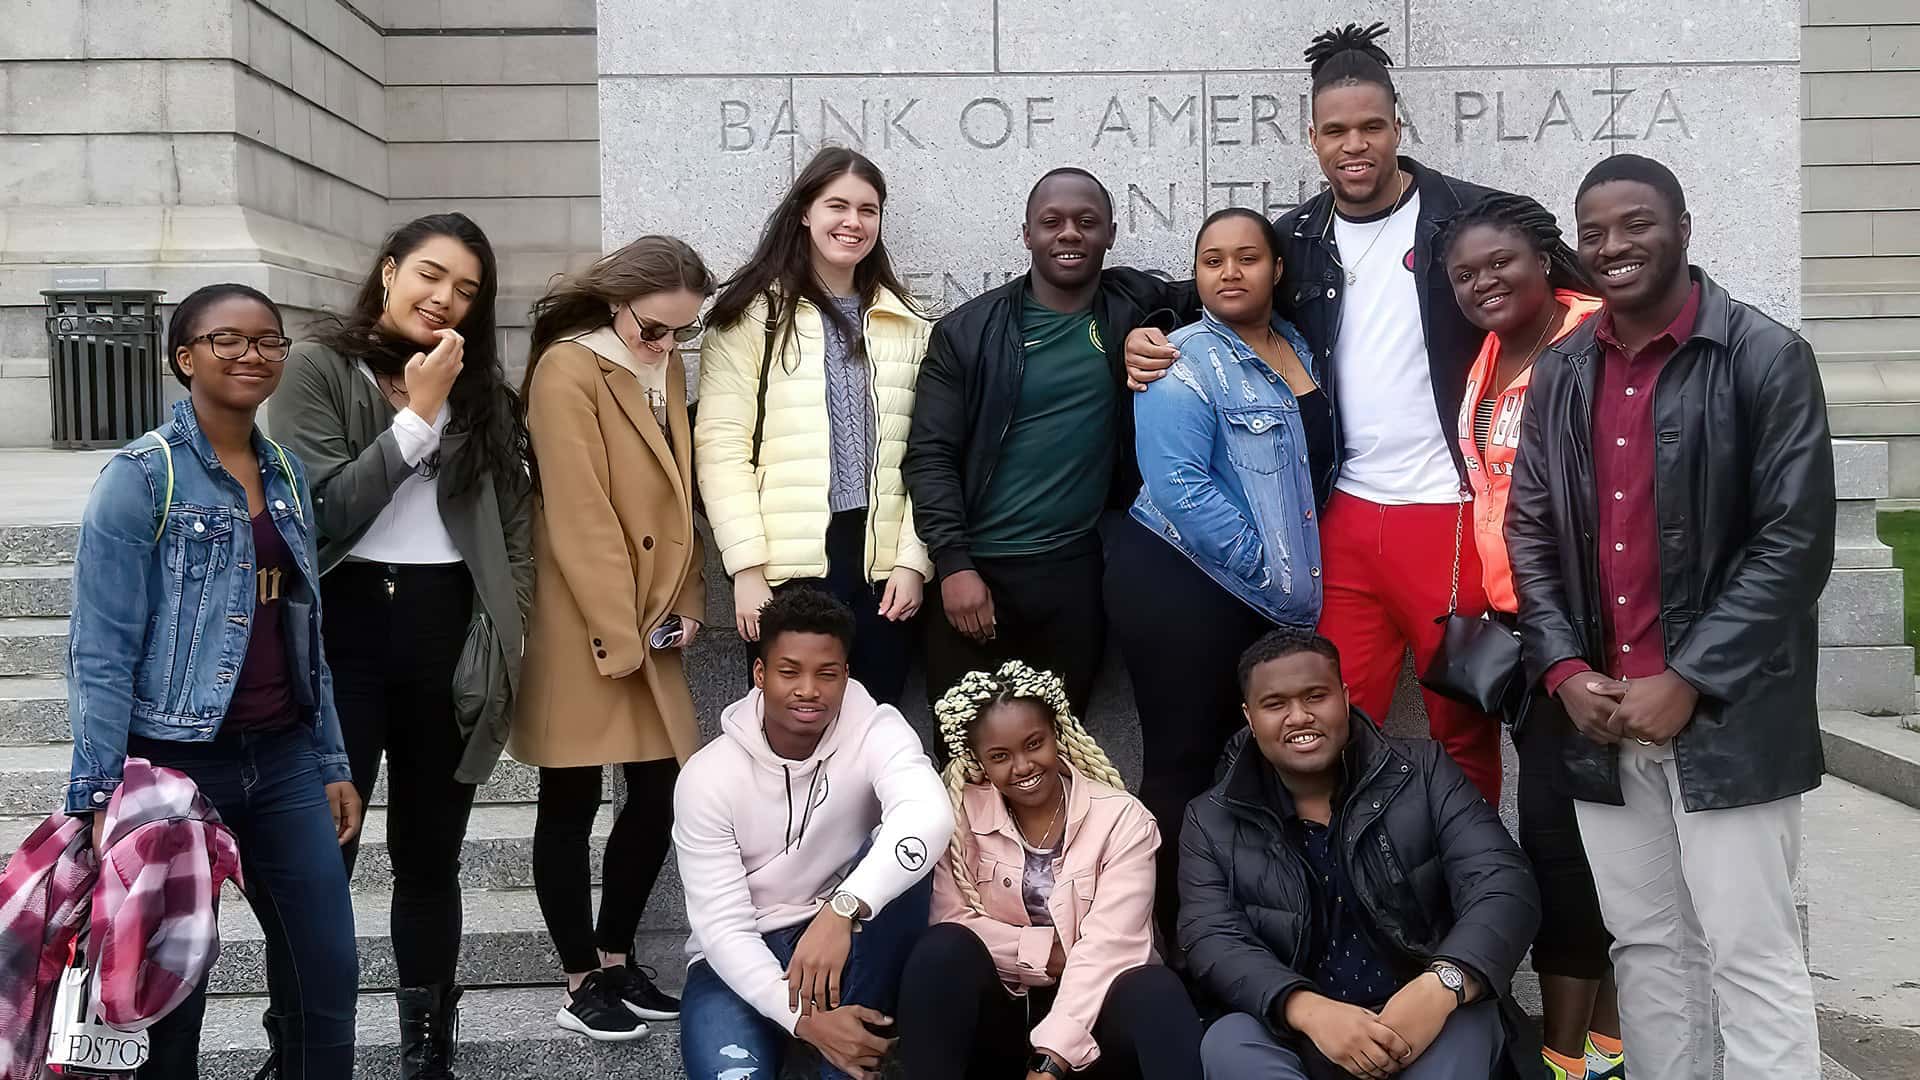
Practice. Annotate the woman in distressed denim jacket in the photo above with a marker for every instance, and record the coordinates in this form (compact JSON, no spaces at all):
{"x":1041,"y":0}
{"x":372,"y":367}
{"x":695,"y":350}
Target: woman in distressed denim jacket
{"x":1223,"y":544}
{"x":195,"y":644}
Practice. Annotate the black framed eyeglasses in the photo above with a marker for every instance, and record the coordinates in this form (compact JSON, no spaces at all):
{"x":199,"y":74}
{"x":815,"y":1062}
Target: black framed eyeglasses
{"x":227,"y":345}
{"x":651,"y":331}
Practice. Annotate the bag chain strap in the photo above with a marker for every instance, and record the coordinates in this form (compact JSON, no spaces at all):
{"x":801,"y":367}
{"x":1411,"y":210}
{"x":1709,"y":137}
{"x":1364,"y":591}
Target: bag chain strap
{"x":1459,"y":526}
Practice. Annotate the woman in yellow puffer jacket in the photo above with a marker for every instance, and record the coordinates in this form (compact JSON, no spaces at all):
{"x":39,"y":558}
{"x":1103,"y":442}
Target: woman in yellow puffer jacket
{"x":807,"y":378}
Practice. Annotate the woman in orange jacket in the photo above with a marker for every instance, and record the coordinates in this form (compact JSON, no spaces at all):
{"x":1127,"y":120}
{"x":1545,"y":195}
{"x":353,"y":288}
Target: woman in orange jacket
{"x":1514,"y":277}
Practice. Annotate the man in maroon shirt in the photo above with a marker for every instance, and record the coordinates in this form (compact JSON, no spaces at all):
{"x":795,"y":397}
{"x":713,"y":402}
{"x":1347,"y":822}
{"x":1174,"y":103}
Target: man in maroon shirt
{"x":1671,"y":528}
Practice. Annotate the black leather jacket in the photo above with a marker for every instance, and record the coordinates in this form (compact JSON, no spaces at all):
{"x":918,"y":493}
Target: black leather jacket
{"x":1433,"y":870}
{"x":1743,"y":488}
{"x":969,"y":386}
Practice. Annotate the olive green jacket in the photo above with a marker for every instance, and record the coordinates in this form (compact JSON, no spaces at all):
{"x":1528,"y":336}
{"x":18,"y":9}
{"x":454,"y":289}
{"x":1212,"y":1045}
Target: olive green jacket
{"x":330,"y":414}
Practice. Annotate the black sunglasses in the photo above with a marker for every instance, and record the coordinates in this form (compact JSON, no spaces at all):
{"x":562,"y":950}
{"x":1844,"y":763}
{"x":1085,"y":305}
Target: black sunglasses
{"x":227,"y":345}
{"x":651,"y":331}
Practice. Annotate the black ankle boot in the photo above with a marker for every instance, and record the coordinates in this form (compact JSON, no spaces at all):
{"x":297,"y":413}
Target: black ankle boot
{"x":275,"y":1066}
{"x":429,"y":1031}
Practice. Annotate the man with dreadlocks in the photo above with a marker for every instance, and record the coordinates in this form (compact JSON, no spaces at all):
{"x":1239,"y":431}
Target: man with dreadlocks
{"x":1041,"y":957}
{"x":1366,"y":282}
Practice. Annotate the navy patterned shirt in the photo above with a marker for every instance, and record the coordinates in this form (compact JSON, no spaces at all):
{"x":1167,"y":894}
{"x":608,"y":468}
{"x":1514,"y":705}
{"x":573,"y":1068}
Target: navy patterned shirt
{"x":1345,"y":966}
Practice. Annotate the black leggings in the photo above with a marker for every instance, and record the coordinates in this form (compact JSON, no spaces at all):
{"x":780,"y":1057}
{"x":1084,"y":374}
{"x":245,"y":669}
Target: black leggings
{"x":1572,"y":940}
{"x":958,"y":1022}
{"x":636,"y":849}
{"x":393,"y":638}
{"x":1181,"y":636}
{"x":882,"y":648}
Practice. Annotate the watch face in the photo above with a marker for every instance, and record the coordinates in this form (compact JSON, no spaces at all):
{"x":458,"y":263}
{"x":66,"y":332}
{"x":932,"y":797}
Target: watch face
{"x":845,"y":905}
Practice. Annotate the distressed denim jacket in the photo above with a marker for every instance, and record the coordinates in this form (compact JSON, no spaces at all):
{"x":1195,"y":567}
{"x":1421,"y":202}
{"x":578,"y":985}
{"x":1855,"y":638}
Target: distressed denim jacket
{"x":1223,"y":463}
{"x":161,"y":612}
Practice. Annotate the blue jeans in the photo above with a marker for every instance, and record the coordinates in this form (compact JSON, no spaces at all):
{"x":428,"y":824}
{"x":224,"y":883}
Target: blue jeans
{"x":717,"y":1027}
{"x":267,"y":789}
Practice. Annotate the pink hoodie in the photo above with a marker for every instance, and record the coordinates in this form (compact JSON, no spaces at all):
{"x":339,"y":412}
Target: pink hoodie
{"x":1102,"y":904}
{"x":763,"y":841}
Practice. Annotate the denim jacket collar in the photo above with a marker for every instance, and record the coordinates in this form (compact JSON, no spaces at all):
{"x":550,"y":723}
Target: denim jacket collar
{"x":1244,"y":353}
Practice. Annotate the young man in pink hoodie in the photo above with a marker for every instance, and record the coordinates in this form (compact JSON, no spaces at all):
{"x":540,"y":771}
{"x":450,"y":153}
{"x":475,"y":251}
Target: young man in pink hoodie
{"x":806,"y":833}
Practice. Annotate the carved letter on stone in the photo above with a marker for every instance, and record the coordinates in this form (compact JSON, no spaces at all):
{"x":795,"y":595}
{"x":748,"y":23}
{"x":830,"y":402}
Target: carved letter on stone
{"x":1136,"y":196}
{"x":1500,"y":120}
{"x":858,"y":136}
{"x":1610,"y":127}
{"x":896,"y":121}
{"x":1667,"y":111}
{"x":1115,"y":119}
{"x":1217,"y":105}
{"x":1157,"y":111}
{"x":783,"y":125}
{"x":1266,"y":115}
{"x":1467,"y":105}
{"x":985,"y":139}
{"x":1559,"y":114}
{"x":1036,"y":117}
{"x":734,"y":115}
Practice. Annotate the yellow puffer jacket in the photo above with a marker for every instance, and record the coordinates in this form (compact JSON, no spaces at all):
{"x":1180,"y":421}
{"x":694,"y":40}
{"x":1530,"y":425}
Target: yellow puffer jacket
{"x":775,"y":516}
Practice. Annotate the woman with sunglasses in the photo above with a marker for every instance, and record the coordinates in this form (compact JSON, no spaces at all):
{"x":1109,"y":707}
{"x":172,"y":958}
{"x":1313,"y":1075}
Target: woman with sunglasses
{"x":400,"y":407}
{"x":806,"y":394}
{"x":196,"y":645}
{"x":619,"y":597}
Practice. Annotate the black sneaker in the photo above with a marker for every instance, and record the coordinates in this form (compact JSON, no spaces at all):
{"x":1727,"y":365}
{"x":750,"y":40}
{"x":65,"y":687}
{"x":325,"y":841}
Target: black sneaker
{"x":595,"y":1012}
{"x":634,"y":988}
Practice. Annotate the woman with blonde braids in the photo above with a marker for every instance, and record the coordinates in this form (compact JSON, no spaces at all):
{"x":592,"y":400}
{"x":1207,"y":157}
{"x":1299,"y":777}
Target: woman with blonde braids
{"x":1041,"y":954}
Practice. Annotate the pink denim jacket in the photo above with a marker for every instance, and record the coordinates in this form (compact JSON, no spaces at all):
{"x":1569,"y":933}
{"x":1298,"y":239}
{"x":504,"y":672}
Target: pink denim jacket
{"x":1102,"y":904}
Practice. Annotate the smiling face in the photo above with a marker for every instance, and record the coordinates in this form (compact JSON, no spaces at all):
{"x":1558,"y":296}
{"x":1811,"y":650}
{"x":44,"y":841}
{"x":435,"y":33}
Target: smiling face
{"x":1236,"y":270}
{"x":670,"y":310}
{"x":1069,"y":228}
{"x":843,"y":222}
{"x":240,"y":385}
{"x":804,"y":679}
{"x":1633,"y":243}
{"x":1356,"y":136}
{"x":430,"y":288}
{"x":1297,"y":708}
{"x":1499,"y":280}
{"x":1015,"y":745}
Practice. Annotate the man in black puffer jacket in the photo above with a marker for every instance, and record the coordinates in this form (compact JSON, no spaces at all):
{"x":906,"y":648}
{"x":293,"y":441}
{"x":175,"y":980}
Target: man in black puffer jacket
{"x":1349,"y":897}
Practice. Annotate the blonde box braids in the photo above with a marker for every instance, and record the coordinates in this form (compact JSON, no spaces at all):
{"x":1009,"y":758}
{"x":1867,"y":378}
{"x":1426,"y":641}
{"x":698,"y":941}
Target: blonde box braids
{"x":964,"y":703}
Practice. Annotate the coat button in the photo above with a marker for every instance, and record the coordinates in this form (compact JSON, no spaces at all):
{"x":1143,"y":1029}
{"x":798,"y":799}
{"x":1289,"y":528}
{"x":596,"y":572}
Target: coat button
{"x":279,"y":504}
{"x":1376,"y":804}
{"x":597,"y":643}
{"x":99,"y":797}
{"x":601,"y":653}
{"x":1406,"y":768}
{"x":199,"y":526}
{"x":1006,"y":883}
{"x":646,"y":543}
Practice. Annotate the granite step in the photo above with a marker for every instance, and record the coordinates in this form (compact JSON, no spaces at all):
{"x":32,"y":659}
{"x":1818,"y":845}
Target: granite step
{"x":33,"y":646}
{"x":36,"y":591}
{"x":37,"y":544}
{"x":33,"y":711}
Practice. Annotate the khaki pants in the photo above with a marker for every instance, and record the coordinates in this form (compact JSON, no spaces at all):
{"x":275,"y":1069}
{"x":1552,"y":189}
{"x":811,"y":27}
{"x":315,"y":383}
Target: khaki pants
{"x":1700,"y":906}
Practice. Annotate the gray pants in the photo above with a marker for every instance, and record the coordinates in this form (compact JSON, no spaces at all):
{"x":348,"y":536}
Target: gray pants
{"x":1240,"y":1047}
{"x":1700,"y":906}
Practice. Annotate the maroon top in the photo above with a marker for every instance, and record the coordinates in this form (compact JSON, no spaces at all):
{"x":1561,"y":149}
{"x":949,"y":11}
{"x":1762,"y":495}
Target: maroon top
{"x":263,"y":696}
{"x":1623,"y":472}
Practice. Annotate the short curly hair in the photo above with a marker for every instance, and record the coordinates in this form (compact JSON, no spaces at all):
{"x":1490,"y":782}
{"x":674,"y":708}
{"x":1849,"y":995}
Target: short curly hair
{"x":805,"y":611}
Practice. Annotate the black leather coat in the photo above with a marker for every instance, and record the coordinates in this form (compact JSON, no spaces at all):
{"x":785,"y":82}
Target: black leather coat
{"x":1743,"y":489}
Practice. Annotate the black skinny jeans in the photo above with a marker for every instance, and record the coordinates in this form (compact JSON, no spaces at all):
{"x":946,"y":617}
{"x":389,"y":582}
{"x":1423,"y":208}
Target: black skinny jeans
{"x":393,"y":638}
{"x":958,"y":1022}
{"x":636,"y":849}
{"x":882,"y":648}
{"x":1573,"y":939}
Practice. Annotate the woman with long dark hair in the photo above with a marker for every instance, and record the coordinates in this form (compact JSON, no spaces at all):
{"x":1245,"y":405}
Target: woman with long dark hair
{"x":400,"y":408}
{"x":807,"y":380}
{"x":619,"y":598}
{"x":196,"y":645}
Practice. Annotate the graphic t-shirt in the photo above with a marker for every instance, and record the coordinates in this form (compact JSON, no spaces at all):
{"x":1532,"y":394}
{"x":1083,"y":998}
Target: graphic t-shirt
{"x":1056,"y":462}
{"x":263,"y":695}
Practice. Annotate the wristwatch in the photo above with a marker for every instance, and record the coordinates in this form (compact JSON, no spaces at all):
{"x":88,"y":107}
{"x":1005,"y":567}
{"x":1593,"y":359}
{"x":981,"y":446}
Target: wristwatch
{"x":1451,"y":977}
{"x":846,"y":905}
{"x":1044,"y":1064}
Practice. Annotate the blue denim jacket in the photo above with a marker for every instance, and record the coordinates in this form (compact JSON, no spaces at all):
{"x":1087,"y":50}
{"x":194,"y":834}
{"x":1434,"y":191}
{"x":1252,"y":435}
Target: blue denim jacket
{"x":160,"y":625}
{"x":1223,"y":464}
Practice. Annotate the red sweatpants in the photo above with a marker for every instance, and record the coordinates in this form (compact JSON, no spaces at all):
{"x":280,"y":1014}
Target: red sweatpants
{"x":1387,"y":570}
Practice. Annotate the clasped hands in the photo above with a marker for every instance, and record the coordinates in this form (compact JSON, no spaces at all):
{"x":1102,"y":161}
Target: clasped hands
{"x":1369,"y":1044}
{"x":1651,"y":710}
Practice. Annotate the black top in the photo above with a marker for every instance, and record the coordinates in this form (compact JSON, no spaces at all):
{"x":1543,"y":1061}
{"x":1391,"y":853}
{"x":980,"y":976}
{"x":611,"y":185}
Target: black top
{"x":1316,"y":416}
{"x":263,"y":693}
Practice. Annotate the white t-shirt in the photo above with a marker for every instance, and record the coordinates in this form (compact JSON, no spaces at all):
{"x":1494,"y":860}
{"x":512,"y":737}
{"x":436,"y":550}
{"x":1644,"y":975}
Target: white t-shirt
{"x":408,"y":531}
{"x":1396,"y":451}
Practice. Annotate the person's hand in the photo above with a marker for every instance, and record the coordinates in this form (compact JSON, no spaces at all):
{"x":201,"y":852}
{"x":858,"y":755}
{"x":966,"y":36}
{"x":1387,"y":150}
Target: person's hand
{"x":1057,"y":959}
{"x":430,"y":376}
{"x":750,"y":594}
{"x":1148,"y":357}
{"x":905,"y":589}
{"x":99,"y":832}
{"x":1590,"y":701}
{"x":344,"y":801}
{"x":1418,"y":1012}
{"x":1349,"y":1036}
{"x":1655,"y":709}
{"x":689,"y":629}
{"x":844,"y":1039}
{"x":968,"y":603}
{"x":819,"y":957}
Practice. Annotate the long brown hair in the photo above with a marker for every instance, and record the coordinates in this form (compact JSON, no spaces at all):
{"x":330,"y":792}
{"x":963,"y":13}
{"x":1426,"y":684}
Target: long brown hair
{"x":781,"y":266}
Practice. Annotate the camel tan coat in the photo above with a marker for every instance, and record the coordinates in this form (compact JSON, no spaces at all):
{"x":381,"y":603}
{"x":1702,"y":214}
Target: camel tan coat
{"x":614,"y":552}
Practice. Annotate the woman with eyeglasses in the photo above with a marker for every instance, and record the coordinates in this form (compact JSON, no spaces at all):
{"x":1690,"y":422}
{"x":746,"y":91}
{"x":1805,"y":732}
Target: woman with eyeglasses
{"x":619,"y":597}
{"x":1223,"y":545}
{"x":806,"y":393}
{"x":401,"y":410}
{"x":196,"y":645}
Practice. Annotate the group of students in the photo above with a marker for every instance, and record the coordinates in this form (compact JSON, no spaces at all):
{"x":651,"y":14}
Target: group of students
{"x":1406,"y":398}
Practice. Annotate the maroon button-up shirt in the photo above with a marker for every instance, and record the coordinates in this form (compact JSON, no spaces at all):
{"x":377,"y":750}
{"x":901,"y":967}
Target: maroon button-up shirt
{"x":1629,"y":527}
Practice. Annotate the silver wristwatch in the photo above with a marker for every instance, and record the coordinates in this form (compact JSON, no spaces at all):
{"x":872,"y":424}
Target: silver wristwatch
{"x":846,"y":905}
{"x":1451,"y":977}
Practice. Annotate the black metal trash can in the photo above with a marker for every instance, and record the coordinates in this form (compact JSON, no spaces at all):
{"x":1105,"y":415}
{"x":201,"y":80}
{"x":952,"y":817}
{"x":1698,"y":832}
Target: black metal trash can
{"x":104,"y":365}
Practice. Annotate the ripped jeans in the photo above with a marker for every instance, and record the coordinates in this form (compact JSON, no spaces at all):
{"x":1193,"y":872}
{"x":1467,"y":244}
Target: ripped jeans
{"x":724,"y":1038}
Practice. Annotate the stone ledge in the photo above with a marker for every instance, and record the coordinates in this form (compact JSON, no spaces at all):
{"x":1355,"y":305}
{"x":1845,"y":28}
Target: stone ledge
{"x":1877,"y":753}
{"x":1872,"y":679}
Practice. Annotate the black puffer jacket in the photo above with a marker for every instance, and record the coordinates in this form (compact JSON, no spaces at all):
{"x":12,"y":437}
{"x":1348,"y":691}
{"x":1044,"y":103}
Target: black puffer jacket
{"x":969,"y":386}
{"x":1431,"y":867}
{"x":1743,"y":487}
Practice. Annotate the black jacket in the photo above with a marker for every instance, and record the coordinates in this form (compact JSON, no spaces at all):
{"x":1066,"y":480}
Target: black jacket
{"x":1743,"y":487}
{"x":1431,"y":867}
{"x":969,"y":386}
